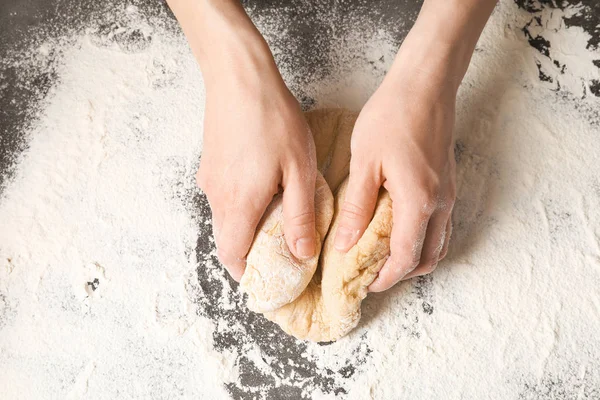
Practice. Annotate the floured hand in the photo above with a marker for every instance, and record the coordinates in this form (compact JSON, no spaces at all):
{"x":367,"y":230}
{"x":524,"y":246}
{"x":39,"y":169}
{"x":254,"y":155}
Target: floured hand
{"x":256,"y":140}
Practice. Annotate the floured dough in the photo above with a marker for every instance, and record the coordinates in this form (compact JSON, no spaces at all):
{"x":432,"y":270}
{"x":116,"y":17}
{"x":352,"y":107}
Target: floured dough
{"x":318,"y":299}
{"x":274,"y":277}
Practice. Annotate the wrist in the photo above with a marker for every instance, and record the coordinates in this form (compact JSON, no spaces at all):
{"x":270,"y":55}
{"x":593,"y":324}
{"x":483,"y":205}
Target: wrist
{"x":225,"y":42}
{"x":424,"y":62}
{"x":238,"y":60}
{"x":439,"y":47}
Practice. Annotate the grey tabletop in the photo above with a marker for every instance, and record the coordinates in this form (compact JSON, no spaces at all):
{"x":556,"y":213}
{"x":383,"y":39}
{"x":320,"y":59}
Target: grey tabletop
{"x":19,"y":19}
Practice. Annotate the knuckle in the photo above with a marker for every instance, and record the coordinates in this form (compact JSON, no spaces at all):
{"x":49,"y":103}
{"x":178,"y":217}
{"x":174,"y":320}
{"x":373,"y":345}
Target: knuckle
{"x":226,"y":256}
{"x":359,"y":163}
{"x":411,"y":264}
{"x":405,"y":247}
{"x":432,"y":200}
{"x":428,"y":199}
{"x":244,"y":201}
{"x":365,"y":173}
{"x":429,"y":207}
{"x":356,"y":144}
{"x":301,"y":165}
{"x":352,"y":211}
{"x":203,"y":180}
{"x":445,"y":207}
{"x":444,"y":253}
{"x":303,"y":219}
{"x":406,"y":260}
{"x":430,"y":267}
{"x":448,"y":200}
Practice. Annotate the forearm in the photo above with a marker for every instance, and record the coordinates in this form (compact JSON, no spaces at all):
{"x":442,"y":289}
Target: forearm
{"x":443,"y":39}
{"x":223,"y":39}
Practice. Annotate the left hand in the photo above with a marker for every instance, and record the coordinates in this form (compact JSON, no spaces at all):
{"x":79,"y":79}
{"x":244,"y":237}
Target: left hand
{"x":403,"y":141}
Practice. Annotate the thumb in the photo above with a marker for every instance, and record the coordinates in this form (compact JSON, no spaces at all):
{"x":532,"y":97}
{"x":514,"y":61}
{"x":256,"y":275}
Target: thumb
{"x":357,"y":210}
{"x":299,"y":216}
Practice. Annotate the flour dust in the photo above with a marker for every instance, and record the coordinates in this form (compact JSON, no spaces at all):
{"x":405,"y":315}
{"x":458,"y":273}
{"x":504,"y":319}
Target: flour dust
{"x":109,"y":283}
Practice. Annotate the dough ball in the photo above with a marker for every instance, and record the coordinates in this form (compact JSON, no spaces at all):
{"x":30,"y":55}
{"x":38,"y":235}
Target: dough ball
{"x":318,"y":299}
{"x":273,"y":276}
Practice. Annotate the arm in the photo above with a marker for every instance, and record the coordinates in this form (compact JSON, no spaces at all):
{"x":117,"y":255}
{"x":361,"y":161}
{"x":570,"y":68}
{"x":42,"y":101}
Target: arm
{"x":403,"y":140}
{"x":224,"y":41}
{"x":256,"y":139}
{"x":442,"y":41}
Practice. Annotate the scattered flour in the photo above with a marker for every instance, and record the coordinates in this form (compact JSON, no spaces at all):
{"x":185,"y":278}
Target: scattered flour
{"x":109,"y":286}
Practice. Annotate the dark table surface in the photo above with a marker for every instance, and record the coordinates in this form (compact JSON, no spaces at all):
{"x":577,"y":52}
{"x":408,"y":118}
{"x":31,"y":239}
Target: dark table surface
{"x":20,"y":20}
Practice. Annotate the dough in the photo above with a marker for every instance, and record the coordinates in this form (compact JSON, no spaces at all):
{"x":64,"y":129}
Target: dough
{"x":273,"y":276}
{"x":318,"y":299}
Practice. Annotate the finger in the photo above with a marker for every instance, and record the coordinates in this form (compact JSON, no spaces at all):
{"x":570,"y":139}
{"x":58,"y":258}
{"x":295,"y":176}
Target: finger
{"x":432,"y":247}
{"x":444,"y":251}
{"x":357,"y":209}
{"x":299,"y":215}
{"x":236,"y":226}
{"x":217,"y":222}
{"x":406,"y":244}
{"x":203,"y":183}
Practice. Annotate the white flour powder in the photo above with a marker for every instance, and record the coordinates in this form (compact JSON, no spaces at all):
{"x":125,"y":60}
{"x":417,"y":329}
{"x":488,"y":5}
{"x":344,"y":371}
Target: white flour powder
{"x":100,"y":295}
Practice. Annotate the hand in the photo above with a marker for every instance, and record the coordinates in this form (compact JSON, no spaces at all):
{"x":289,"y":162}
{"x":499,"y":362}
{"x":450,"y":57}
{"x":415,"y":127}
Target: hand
{"x":403,"y":141}
{"x":256,"y":139}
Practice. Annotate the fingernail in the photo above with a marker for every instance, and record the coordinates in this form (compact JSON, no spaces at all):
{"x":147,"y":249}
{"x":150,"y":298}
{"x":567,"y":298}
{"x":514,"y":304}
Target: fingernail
{"x":343,"y":239}
{"x":305,"y":248}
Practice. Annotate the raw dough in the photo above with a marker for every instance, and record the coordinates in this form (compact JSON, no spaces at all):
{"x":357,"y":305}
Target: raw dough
{"x":318,"y":299}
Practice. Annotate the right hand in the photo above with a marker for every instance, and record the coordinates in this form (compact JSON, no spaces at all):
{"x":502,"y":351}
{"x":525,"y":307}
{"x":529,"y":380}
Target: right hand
{"x":256,"y":140}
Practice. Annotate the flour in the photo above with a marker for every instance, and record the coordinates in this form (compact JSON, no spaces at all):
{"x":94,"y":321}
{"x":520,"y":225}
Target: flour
{"x":110,"y":288}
